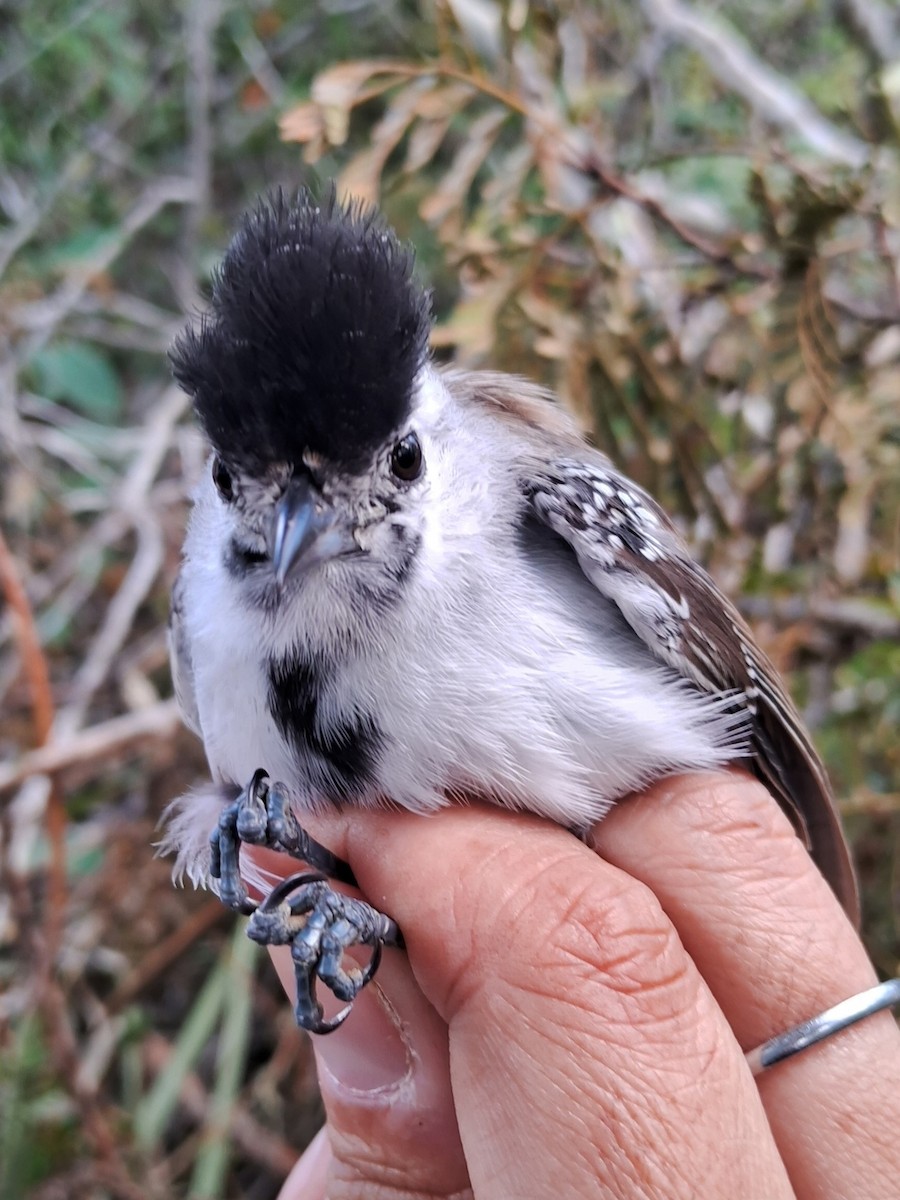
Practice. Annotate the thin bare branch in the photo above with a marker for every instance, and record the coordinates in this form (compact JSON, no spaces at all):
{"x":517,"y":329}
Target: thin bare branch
{"x":37,"y":673}
{"x":41,"y":318}
{"x":201,"y":21}
{"x":877,"y":25}
{"x":771,"y":95}
{"x":848,"y":614}
{"x":117,"y":623}
{"x":97,"y":745}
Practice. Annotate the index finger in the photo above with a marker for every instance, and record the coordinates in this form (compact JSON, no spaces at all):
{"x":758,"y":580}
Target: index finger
{"x":588,"y":1056}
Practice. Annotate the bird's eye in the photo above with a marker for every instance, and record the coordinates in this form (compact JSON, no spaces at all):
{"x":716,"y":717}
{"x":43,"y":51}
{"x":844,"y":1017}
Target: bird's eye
{"x":406,"y":458}
{"x":222,"y":479}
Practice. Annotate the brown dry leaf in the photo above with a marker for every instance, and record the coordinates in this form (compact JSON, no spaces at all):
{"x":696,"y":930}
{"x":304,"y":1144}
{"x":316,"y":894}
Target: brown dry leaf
{"x":445,"y":100}
{"x":362,"y":175}
{"x":471,"y":327}
{"x":443,"y":206}
{"x":254,"y":96}
{"x":561,"y":330}
{"x":361,"y":178}
{"x":340,"y":85}
{"x":436,"y":109}
{"x":503,"y":193}
{"x":424,"y":142}
{"x":563,"y":342}
{"x":816,"y":336}
{"x":267,"y":23}
{"x":556,"y":145}
{"x":575,"y":385}
{"x":481,"y":24}
{"x":339,"y":89}
{"x":854,"y":518}
{"x":303,"y":123}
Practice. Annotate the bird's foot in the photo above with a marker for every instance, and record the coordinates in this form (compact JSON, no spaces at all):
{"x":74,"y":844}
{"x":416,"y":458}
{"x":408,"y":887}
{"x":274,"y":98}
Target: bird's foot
{"x":317,"y":922}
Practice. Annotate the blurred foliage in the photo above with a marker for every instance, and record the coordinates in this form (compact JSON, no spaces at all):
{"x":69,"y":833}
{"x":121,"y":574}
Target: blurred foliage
{"x":687,"y":224}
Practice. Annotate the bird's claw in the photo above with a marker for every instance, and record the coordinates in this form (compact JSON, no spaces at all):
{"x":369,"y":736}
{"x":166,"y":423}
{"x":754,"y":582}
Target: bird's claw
{"x":303,"y":911}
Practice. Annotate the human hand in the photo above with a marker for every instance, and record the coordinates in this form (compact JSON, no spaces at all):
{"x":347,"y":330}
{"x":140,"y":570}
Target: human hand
{"x":567,"y":1024}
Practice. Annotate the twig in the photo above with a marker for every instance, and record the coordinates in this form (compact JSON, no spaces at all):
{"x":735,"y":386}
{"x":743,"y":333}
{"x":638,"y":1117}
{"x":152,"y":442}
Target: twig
{"x":261,"y":67}
{"x":49,"y":996}
{"x":155,"y":440}
{"x":99,"y":1130}
{"x":117,"y":623}
{"x":201,"y":21}
{"x":257,"y":1142}
{"x":876,"y":25}
{"x":771,"y":95}
{"x":574,"y":155}
{"x":132,"y":500}
{"x":161,"y":957}
{"x":717,"y":254}
{"x":34,"y":664}
{"x":53,"y":35}
{"x":97,"y":744}
{"x":855,"y":616}
{"x":35,"y":212}
{"x":42,"y":317}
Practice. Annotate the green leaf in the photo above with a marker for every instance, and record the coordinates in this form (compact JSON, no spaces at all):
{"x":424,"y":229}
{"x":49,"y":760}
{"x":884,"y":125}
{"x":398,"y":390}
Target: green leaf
{"x":80,"y":375}
{"x":211,"y":1165}
{"x":158,"y":1105}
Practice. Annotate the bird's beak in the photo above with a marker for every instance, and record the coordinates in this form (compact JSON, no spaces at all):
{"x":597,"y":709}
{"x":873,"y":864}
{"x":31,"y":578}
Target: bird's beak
{"x":306,"y":530}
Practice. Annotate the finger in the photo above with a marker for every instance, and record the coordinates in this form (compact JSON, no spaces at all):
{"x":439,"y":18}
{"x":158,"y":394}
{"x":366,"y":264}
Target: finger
{"x":385,"y":1082}
{"x":588,"y":1057}
{"x":308,"y":1179}
{"x":775,"y":947}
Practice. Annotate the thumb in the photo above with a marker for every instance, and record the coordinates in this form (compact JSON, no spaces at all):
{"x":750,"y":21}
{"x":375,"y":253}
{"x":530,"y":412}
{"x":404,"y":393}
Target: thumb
{"x":384,"y":1076}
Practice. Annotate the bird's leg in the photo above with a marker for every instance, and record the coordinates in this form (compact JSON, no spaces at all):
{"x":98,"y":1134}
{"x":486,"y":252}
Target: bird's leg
{"x":303,"y":911}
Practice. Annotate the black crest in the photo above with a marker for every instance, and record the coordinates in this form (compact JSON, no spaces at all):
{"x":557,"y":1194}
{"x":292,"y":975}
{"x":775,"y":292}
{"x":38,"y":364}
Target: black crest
{"x":313,"y":339}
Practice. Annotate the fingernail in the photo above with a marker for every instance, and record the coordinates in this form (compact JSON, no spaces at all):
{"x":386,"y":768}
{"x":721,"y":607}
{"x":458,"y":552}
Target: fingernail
{"x":369,"y":1053}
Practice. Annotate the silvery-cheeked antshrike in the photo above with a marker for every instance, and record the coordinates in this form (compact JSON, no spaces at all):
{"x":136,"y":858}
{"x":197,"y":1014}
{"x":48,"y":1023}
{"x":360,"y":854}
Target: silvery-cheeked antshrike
{"x":422,"y":584}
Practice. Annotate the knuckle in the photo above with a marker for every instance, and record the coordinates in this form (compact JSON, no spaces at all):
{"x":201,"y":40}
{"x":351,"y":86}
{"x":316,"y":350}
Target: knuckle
{"x":570,"y":933}
{"x":733,"y":806}
{"x":738,"y":829}
{"x":406,"y":1162}
{"x":621,"y":949}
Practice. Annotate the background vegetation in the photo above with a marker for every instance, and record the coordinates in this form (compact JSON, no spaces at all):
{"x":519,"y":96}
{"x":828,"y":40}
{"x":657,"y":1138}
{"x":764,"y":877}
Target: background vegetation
{"x":686,"y":220}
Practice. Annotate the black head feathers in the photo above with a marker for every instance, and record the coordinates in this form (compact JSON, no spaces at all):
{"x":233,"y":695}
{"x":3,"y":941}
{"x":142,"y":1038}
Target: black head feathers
{"x":315,"y":334}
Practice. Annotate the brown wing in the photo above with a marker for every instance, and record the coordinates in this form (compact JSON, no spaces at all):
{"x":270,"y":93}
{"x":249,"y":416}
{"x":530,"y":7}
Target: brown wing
{"x":632,"y":554}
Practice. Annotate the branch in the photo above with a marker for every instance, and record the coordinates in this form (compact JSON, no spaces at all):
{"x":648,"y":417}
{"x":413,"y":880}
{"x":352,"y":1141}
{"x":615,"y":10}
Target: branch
{"x":97,"y":743}
{"x":855,"y":616}
{"x":876,"y":25}
{"x":34,"y":665}
{"x":40,"y":319}
{"x":771,"y":95}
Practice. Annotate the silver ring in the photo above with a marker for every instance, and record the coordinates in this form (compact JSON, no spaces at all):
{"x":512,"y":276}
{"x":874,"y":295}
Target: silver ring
{"x":816,"y":1029}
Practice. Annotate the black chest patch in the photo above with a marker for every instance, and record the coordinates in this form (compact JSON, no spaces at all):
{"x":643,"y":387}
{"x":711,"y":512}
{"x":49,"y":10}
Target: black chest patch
{"x":340,"y":749}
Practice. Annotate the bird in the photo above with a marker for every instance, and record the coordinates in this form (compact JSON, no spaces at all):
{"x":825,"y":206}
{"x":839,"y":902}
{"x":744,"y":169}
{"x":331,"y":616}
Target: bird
{"x":412,"y":584}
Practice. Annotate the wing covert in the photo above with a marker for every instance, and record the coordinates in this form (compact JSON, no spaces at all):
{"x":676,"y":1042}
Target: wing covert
{"x":630,"y":551}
